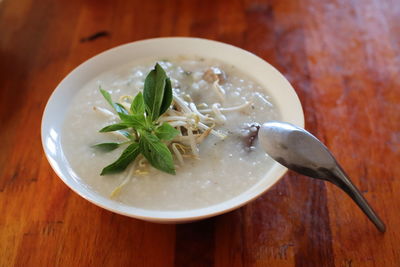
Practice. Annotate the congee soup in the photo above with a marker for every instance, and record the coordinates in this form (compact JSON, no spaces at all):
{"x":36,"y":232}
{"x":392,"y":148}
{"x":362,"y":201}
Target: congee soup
{"x":169,"y":134}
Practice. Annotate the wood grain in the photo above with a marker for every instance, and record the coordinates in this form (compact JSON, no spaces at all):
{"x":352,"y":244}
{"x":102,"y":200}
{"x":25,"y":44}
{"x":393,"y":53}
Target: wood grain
{"x":341,"y":56}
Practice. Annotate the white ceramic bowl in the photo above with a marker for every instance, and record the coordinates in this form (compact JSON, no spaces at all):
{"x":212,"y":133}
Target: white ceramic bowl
{"x":256,"y":68}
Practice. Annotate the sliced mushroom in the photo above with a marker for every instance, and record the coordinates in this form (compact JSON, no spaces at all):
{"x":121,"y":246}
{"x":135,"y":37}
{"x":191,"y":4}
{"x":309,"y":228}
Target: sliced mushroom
{"x":214,"y":74}
{"x":251,"y":133}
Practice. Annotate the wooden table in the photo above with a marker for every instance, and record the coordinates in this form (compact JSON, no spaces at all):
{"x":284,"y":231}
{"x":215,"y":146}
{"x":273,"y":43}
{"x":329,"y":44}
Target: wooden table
{"x":341,"y":56}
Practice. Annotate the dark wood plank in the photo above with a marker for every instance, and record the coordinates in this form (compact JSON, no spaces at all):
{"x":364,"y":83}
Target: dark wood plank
{"x":195,"y":244}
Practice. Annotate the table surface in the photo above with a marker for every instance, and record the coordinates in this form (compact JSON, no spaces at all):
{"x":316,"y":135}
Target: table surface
{"x":341,"y":56}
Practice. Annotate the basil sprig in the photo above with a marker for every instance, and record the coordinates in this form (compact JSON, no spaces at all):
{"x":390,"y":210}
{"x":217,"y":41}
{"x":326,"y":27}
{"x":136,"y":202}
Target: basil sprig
{"x":139,"y":124}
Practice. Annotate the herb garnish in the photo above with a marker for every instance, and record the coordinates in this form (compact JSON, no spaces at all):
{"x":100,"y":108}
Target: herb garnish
{"x":139,"y":125}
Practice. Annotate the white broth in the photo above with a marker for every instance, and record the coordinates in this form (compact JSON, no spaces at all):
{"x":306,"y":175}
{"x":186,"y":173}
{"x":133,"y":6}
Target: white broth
{"x":225,"y":168}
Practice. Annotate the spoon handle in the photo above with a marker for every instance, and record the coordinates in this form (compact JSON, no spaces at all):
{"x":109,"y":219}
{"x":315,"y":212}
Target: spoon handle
{"x":345,"y":184}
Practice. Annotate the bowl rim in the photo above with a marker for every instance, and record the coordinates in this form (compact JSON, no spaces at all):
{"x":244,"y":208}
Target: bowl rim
{"x":72,"y":181}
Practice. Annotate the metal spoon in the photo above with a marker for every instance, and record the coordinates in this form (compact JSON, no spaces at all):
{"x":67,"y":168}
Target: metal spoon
{"x":300,"y":151}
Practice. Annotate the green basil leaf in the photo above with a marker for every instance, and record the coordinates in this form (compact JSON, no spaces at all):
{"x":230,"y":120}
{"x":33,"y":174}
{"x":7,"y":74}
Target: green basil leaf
{"x":167,"y":100}
{"x":137,"y":106}
{"x":114,"y":127}
{"x":127,"y":156}
{"x":156,"y":152}
{"x":134,"y":121}
{"x":166,"y":132}
{"x":116,"y":106}
{"x":105,"y":147}
{"x":107,"y":96}
{"x":153,"y":92}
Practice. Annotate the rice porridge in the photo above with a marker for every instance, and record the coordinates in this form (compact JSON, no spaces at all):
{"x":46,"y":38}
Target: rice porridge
{"x":223,"y":161}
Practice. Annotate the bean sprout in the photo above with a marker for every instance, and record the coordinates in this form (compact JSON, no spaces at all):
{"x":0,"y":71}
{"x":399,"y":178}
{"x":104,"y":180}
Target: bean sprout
{"x":177,"y":153}
{"x":220,"y":117}
{"x":105,"y":112}
{"x":219,"y":90}
{"x":229,"y":109}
